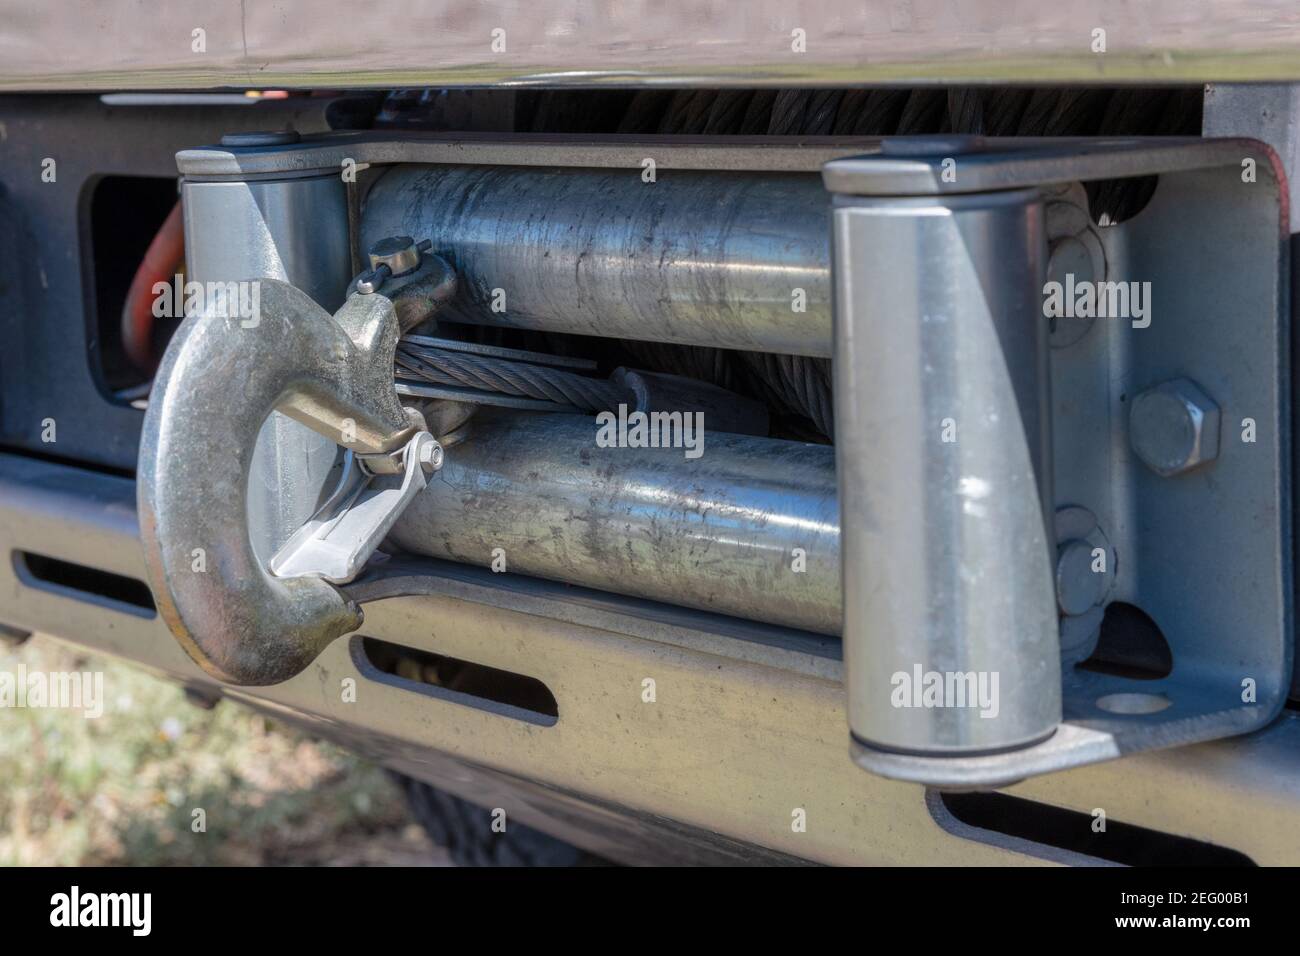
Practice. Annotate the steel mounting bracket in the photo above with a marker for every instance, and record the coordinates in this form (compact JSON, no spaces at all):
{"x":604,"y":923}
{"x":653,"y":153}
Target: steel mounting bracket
{"x":970,"y":429}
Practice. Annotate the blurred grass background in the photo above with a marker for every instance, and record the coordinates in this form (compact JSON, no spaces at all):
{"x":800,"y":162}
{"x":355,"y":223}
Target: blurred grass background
{"x":121,"y":789}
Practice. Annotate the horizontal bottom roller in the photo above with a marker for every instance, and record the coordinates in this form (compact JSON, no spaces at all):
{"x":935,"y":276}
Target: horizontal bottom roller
{"x":733,"y":524}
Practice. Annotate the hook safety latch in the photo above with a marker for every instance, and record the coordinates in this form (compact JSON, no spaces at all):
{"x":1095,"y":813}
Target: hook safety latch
{"x":340,"y":537}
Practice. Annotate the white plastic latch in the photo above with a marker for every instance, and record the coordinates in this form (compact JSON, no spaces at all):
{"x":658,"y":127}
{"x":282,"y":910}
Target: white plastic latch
{"x":338,"y":540}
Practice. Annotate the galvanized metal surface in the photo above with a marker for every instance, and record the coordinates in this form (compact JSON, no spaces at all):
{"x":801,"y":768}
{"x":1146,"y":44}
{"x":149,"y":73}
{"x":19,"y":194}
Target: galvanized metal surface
{"x":1271,"y":114}
{"x":729,"y":260}
{"x":750,"y":528}
{"x":292,"y":467}
{"x":761,"y":258}
{"x":1171,"y":536}
{"x":943,"y":446}
{"x":915,"y":166}
{"x":740,"y":735}
{"x":87,"y":45}
{"x":788,"y":154}
{"x":268,"y":217}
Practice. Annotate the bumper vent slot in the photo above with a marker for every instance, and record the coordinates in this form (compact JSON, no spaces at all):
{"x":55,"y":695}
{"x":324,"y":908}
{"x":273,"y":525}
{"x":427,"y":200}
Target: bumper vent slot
{"x":985,"y":814}
{"x":84,"y":583}
{"x":462,"y":682}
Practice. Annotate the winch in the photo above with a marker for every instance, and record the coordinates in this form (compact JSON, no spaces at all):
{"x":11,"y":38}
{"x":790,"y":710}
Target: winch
{"x":993,"y":478}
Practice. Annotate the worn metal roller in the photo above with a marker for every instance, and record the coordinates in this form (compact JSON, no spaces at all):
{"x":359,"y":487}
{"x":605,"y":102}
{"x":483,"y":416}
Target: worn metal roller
{"x":726,"y":259}
{"x":749,"y":528}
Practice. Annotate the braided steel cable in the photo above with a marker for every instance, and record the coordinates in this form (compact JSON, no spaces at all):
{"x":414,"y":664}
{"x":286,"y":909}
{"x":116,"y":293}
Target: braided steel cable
{"x":802,"y":384}
{"x":460,"y":369}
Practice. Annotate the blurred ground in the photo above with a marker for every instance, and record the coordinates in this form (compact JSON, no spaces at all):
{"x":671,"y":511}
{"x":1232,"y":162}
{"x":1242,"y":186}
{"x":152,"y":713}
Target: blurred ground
{"x":123,"y":788}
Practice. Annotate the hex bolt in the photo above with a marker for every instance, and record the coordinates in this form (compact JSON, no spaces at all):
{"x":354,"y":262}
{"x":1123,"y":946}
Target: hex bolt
{"x":1174,"y":427}
{"x":431,"y":457}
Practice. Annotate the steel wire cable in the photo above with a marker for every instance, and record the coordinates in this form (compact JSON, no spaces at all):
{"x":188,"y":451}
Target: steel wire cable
{"x":459,"y":369}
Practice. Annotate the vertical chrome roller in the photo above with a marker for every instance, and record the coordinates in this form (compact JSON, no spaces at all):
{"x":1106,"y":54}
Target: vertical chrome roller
{"x":943,"y":451}
{"x":295,"y":230}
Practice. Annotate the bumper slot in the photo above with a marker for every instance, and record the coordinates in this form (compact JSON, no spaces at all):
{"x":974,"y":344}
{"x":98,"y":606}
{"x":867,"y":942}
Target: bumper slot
{"x":459,"y":681}
{"x":84,"y":583}
{"x":984,"y":816}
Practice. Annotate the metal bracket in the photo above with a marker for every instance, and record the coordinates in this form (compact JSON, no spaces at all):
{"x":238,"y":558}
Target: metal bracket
{"x":942,"y":542}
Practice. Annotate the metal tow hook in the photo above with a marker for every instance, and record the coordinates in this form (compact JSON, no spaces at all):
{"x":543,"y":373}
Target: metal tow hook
{"x":241,"y":620}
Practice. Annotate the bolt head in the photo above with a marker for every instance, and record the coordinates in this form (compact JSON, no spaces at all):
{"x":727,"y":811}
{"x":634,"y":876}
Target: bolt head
{"x":1174,"y":427}
{"x":430,"y":457}
{"x":1082,"y":586}
{"x":1078,"y":586}
{"x":1069,"y":256}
